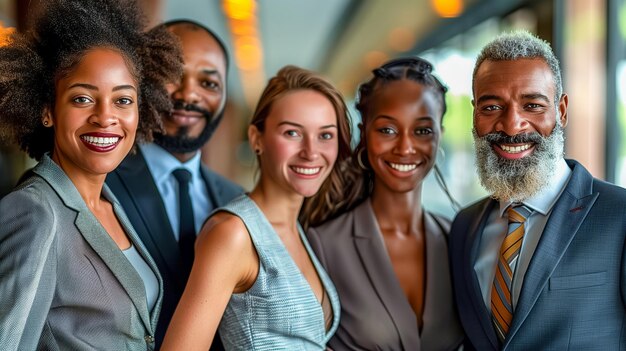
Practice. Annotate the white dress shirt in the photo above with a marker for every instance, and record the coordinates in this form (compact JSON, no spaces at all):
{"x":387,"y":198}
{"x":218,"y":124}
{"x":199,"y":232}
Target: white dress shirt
{"x":161,"y":165}
{"x":496,"y":229}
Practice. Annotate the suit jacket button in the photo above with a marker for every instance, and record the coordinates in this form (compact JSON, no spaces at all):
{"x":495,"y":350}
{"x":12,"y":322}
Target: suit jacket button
{"x":149,"y":339}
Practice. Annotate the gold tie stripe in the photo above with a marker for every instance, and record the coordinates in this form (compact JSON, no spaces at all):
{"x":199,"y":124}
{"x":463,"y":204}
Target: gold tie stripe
{"x":501,"y":302}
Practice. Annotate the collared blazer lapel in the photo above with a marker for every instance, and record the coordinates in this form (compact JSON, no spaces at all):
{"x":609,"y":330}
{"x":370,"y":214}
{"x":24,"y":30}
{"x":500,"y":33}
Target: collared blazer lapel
{"x":134,"y":238}
{"x":97,"y":237}
{"x":135,"y":176}
{"x":441,"y":326}
{"x":568,"y":214}
{"x":470,"y":255}
{"x":372,"y":252}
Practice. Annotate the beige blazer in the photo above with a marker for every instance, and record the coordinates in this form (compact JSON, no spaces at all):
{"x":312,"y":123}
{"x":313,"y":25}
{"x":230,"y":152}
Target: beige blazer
{"x":64,"y":283}
{"x":375,"y":314}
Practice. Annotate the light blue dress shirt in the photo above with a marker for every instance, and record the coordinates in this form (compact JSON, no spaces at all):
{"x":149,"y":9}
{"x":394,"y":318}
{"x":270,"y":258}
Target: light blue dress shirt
{"x":496,"y":229}
{"x":150,"y":282}
{"x":161,"y":165}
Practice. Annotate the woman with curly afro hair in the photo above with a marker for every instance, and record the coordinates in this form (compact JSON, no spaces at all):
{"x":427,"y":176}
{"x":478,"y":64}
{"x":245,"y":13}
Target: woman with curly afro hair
{"x":76,"y":91}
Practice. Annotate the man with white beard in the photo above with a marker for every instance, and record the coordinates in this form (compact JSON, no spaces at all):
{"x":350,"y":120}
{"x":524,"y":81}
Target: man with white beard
{"x":541,"y":263}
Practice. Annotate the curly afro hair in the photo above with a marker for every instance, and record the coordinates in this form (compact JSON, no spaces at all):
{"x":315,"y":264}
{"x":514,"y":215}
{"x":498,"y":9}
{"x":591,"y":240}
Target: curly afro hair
{"x":65,"y":30}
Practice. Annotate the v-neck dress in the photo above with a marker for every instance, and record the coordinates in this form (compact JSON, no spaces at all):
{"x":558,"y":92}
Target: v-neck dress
{"x":280,"y":310}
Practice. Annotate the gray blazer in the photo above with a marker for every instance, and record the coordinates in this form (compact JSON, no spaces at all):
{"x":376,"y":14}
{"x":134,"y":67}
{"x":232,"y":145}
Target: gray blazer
{"x":64,"y":283}
{"x":375,"y":314}
{"x":574,"y":291}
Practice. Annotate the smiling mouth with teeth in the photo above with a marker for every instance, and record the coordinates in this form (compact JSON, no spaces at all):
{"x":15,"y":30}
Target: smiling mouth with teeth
{"x":401,"y":167}
{"x":515,"y":149}
{"x":100,"y":141}
{"x":306,"y":171}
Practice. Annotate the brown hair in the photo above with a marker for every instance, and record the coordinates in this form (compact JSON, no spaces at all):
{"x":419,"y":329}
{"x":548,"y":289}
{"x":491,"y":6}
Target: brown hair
{"x":289,"y":79}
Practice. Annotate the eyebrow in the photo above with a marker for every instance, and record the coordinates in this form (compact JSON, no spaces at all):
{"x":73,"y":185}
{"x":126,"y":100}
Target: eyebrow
{"x":95,"y":88}
{"x":301,"y":126}
{"x":484,"y":98}
{"x":536,"y":96}
{"x":421,"y":118}
{"x":211,"y":72}
{"x":530,"y":96}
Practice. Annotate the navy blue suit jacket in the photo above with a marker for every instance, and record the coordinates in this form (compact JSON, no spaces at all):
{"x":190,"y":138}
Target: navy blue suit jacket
{"x":134,"y":187}
{"x":574,"y":291}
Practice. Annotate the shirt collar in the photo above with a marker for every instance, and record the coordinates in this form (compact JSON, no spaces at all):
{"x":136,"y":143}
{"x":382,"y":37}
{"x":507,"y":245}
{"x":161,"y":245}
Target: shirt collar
{"x":545,"y":199}
{"x":161,"y":163}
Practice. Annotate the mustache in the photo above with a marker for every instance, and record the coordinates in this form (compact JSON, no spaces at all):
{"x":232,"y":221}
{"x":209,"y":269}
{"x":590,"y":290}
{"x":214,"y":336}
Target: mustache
{"x":181,"y":105}
{"x":522,"y":138}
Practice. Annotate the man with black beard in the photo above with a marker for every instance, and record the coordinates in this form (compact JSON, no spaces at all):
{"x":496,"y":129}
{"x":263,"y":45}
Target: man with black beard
{"x":149,"y":184}
{"x":541,"y":263}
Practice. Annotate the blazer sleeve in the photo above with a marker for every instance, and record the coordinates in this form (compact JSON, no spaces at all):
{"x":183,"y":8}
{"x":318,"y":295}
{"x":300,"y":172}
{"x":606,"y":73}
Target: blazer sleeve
{"x":27,"y":267}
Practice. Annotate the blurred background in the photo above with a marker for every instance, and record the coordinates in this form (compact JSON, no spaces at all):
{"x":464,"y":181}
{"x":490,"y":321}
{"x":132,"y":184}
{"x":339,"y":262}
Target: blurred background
{"x":345,"y":39}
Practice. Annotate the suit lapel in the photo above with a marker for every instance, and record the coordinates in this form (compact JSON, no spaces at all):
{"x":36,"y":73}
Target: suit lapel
{"x":472,"y":245}
{"x":135,"y":175}
{"x":371,"y":249}
{"x":568,"y":214}
{"x":95,"y":235}
{"x":128,"y":228}
{"x":214,"y":191}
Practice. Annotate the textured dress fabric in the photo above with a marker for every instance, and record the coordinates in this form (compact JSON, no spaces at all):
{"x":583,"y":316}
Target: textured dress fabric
{"x":280,"y":310}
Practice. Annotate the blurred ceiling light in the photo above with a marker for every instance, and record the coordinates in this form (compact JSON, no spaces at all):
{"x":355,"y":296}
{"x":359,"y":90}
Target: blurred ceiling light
{"x":239,"y":9}
{"x":401,"y":39}
{"x":5,"y":34}
{"x":374,"y":59}
{"x":242,"y":21}
{"x":447,"y":8}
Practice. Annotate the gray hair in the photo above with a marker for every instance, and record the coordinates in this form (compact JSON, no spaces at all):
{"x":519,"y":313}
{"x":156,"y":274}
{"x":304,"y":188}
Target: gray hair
{"x":520,"y":45}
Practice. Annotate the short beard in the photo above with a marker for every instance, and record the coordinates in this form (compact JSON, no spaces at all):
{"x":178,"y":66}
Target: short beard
{"x":181,"y":143}
{"x":518,"y":180}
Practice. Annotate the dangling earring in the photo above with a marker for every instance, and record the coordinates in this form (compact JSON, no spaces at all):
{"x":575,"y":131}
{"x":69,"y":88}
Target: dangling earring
{"x":359,"y":159}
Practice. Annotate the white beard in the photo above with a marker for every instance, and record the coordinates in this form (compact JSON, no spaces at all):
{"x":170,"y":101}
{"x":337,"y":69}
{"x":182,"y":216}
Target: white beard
{"x":518,"y":180}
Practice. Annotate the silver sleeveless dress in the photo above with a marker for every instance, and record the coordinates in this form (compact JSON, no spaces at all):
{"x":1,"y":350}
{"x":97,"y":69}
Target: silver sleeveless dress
{"x":280,"y":311}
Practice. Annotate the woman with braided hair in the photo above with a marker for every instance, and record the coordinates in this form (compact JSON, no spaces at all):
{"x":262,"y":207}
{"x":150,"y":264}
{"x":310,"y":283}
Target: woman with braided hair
{"x":76,"y":91}
{"x":386,"y":255}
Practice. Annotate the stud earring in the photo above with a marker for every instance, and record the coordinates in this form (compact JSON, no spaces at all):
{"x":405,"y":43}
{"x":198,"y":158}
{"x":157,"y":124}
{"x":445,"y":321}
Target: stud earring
{"x":45,"y":123}
{"x":257,"y":151}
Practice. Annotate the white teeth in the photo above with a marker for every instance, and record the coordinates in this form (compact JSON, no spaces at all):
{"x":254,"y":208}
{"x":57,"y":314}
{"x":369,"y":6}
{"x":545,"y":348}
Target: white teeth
{"x":403,"y":167}
{"x":306,"y":171}
{"x":100,"y":141}
{"x":515,"y":149}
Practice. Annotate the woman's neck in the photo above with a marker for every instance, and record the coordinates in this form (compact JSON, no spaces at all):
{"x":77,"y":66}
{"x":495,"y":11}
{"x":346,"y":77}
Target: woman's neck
{"x":281,"y":208}
{"x":397,"y":212}
{"x":89,"y":186}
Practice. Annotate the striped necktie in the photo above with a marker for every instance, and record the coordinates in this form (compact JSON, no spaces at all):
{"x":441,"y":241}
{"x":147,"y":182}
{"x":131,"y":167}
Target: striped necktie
{"x":501,"y":302}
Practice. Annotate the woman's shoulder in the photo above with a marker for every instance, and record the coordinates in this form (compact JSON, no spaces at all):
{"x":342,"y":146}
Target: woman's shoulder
{"x":225,"y":230}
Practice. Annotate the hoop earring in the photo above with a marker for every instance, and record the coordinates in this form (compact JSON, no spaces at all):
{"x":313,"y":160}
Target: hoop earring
{"x":359,"y":156}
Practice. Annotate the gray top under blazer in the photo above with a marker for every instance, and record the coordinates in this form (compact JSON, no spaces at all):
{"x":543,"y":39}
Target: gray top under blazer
{"x":375,"y":313}
{"x":64,"y":283}
{"x":280,"y":310}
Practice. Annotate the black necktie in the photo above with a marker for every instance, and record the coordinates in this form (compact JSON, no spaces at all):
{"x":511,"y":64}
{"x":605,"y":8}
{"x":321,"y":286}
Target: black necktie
{"x":186,"y":227}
